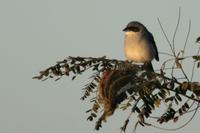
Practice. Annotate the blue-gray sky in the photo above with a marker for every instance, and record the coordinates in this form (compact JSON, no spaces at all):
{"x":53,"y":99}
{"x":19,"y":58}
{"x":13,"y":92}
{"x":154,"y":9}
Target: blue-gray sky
{"x":34,"y":34}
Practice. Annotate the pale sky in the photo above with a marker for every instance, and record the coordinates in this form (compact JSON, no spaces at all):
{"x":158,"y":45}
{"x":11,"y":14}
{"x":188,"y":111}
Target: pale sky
{"x":34,"y":34}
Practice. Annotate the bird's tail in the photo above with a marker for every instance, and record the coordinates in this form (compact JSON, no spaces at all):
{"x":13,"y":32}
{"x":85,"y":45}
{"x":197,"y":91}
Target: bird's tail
{"x":148,"y":67}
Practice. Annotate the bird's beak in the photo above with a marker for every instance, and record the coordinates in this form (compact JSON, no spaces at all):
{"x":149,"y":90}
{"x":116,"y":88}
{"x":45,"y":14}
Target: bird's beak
{"x":125,"y":29}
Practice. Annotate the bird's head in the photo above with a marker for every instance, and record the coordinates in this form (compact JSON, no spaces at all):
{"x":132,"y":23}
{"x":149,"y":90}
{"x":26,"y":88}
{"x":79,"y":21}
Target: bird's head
{"x":134,"y":26}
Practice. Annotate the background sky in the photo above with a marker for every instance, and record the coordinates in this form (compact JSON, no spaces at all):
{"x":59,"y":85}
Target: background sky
{"x":34,"y":34}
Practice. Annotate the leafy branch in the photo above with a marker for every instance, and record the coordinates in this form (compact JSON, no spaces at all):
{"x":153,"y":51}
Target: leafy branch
{"x":115,"y":81}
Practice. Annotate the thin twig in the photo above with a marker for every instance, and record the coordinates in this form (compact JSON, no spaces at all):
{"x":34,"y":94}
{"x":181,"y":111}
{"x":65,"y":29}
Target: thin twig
{"x":166,"y":61}
{"x":176,"y":29}
{"x":166,"y":36}
{"x":172,"y":71}
{"x":184,"y":74}
{"x":188,"y":33}
{"x":194,"y":99}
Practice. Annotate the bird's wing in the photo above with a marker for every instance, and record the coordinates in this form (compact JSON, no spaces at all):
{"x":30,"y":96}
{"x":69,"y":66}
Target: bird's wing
{"x":151,"y":39}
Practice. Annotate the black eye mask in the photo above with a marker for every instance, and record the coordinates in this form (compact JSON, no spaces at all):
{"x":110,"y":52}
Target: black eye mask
{"x":133,"y":28}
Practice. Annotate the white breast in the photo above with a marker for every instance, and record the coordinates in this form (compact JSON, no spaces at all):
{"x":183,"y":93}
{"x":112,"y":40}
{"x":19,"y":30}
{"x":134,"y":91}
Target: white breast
{"x":137,"y":49}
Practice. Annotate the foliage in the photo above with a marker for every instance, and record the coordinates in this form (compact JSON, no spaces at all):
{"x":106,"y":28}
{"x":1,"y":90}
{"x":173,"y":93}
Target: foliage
{"x":116,"y":81}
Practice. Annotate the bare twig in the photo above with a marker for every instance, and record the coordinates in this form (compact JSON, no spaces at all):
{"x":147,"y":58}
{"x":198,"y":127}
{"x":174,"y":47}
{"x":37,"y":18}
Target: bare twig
{"x":175,"y":31}
{"x":170,"y":45}
{"x":186,"y":40}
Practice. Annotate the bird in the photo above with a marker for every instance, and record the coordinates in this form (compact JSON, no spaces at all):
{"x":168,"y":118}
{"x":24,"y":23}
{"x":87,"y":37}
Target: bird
{"x":139,"y":44}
